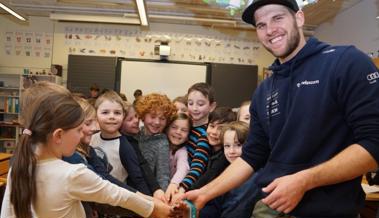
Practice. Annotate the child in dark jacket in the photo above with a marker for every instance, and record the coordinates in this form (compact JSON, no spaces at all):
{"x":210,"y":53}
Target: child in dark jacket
{"x":240,"y":201}
{"x":217,"y":162}
{"x":130,"y":128}
{"x":86,"y":154}
{"x":120,"y":153}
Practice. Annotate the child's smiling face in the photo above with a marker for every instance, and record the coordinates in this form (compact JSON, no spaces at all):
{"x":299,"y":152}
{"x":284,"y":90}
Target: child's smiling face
{"x":178,"y":131}
{"x":110,"y":116}
{"x":199,"y":107}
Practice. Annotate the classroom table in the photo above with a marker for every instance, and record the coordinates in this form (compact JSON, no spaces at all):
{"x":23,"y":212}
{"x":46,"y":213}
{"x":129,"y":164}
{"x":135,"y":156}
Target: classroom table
{"x":4,"y":164}
{"x":371,"y":204}
{"x":4,"y":168}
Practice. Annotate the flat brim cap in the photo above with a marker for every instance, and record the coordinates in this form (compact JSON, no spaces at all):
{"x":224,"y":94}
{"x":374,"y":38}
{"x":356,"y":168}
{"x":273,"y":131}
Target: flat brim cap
{"x":248,"y":13}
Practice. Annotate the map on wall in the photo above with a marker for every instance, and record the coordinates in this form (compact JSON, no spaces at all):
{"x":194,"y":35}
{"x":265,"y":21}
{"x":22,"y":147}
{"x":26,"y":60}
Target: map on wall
{"x":140,"y":44}
{"x":28,"y":44}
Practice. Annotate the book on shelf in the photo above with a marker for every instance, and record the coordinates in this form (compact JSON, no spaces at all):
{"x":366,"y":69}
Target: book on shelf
{"x":11,"y":105}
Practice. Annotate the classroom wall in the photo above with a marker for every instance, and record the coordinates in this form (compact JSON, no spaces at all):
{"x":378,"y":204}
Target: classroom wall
{"x":357,"y":26}
{"x":78,"y":38}
{"x":16,"y":55}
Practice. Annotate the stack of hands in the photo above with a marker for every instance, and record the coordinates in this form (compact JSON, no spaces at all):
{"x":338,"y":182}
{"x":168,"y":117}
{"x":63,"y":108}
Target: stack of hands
{"x":171,"y":204}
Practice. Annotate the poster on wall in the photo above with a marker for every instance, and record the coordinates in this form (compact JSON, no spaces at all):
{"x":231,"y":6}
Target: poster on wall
{"x":140,"y":44}
{"x":28,"y":44}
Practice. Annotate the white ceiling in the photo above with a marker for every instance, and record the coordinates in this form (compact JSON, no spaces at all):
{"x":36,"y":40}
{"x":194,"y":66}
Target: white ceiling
{"x":170,"y":11}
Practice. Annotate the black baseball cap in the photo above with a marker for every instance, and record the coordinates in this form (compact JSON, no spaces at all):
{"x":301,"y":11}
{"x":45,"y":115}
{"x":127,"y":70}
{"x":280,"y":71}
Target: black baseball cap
{"x":248,"y":14}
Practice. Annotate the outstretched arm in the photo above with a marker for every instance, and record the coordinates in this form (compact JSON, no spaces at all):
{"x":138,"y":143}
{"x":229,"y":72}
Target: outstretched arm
{"x":233,"y":176}
{"x":287,"y":191}
{"x":199,"y":163}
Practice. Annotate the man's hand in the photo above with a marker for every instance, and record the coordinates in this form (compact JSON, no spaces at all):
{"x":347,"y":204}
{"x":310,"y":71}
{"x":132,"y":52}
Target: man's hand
{"x":286,"y":192}
{"x":197,"y":198}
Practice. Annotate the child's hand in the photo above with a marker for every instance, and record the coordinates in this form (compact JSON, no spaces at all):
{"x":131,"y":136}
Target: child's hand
{"x":172,"y":189}
{"x":160,"y":195}
{"x":185,"y":209}
{"x":178,"y":197}
{"x":162,"y":210}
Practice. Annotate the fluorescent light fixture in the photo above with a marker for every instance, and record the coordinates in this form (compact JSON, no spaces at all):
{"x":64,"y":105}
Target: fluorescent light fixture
{"x":142,"y":12}
{"x":377,"y":17}
{"x":94,"y":18}
{"x":12,"y":12}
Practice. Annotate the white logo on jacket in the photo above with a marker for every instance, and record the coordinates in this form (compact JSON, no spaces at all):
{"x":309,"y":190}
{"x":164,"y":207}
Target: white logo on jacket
{"x":307,"y":83}
{"x":272,"y":104}
{"x":372,"y":77}
{"x":328,"y":51}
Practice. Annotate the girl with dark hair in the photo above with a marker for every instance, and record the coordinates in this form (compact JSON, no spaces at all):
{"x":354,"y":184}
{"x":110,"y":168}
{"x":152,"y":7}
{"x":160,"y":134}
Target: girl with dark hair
{"x":177,"y":134}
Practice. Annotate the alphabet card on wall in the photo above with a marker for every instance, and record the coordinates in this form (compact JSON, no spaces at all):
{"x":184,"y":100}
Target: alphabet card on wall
{"x":107,"y":41}
{"x":28,"y":44}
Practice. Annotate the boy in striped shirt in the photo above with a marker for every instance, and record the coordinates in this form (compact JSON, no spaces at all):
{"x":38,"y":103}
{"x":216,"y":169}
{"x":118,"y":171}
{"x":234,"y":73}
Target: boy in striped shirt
{"x":201,"y":103}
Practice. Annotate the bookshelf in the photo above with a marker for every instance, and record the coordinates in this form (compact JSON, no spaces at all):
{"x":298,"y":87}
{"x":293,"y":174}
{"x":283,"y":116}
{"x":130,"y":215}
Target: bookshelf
{"x":11,"y":89}
{"x":9,"y":111}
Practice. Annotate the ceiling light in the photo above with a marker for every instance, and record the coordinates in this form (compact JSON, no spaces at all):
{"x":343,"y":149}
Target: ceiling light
{"x":12,"y":12}
{"x":142,"y":12}
{"x":94,"y":19}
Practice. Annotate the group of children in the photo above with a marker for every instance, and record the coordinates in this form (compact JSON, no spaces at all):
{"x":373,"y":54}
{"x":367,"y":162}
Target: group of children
{"x":153,"y":147}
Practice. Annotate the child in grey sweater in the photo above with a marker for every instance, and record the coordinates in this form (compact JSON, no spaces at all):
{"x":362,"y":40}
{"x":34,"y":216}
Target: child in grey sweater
{"x":155,"y":110}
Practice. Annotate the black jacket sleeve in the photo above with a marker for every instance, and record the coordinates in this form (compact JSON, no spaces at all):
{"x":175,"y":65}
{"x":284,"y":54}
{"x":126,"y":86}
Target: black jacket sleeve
{"x":100,"y":167}
{"x":146,"y":170}
{"x":130,"y":162}
{"x":217,"y":165}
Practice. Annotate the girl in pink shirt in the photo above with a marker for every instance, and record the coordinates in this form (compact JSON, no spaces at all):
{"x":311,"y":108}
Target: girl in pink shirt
{"x":177,"y":134}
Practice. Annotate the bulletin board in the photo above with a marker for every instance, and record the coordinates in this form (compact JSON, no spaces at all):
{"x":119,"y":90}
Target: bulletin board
{"x":170,"y":78}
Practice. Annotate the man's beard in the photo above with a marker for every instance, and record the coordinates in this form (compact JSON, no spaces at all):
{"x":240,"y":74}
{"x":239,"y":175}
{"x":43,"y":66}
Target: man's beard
{"x":293,"y":43}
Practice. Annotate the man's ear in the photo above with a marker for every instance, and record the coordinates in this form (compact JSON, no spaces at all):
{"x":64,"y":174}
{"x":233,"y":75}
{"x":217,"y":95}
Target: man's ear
{"x":57,"y":136}
{"x":299,"y":16}
{"x":213,"y":106}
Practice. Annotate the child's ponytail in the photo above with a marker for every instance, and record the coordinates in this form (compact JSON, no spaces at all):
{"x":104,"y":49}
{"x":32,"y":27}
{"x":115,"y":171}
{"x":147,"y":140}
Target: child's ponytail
{"x":23,"y":189}
{"x":41,"y":116}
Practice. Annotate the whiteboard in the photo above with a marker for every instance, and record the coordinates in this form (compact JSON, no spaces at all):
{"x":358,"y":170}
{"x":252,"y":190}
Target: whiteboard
{"x":172,"y":79}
